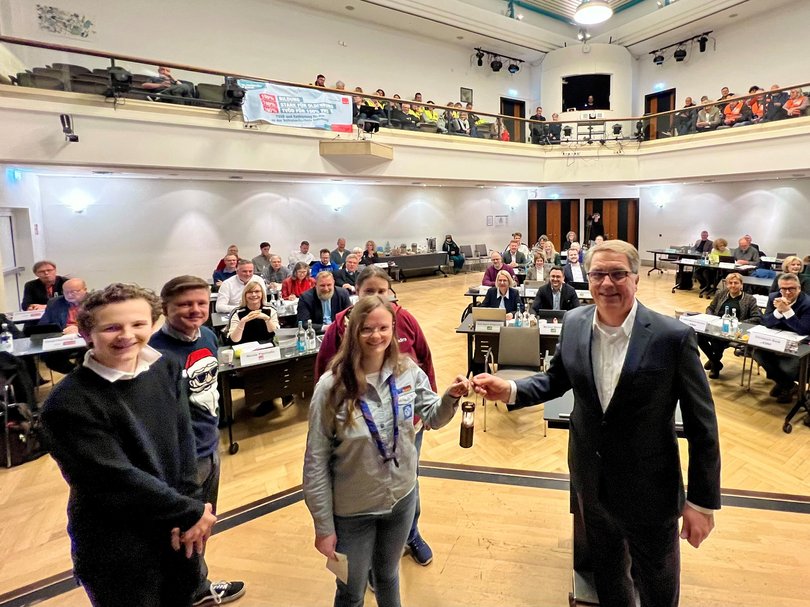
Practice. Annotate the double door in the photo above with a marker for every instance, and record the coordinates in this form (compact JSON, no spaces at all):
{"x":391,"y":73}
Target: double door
{"x":619,"y":218}
{"x":554,"y":218}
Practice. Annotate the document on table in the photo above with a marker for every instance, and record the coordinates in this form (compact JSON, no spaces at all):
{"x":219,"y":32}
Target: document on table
{"x":339,"y":567}
{"x":787,"y":335}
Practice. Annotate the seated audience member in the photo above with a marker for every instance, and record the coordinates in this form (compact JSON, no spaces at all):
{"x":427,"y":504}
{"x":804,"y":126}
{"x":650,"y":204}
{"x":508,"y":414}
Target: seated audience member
{"x":166,"y":84}
{"x":736,"y":112}
{"x":574,"y":271}
{"x":796,"y":104}
{"x":731,"y":298}
{"x":513,"y":257}
{"x":297,"y":283}
{"x":262,"y":261}
{"x":703,"y":275}
{"x":598,"y":240}
{"x":702,"y":244}
{"x":793,"y":265}
{"x":24,"y":369}
{"x":324,"y":264}
{"x":537,"y":271}
{"x":590,"y":104}
{"x":537,"y":131}
{"x":254,"y":319}
{"x":504,"y":295}
{"x":230,"y":292}
{"x":711,"y":276}
{"x":686,"y":118}
{"x":321,"y":304}
{"x":555,"y":128}
{"x":708,"y":117}
{"x":474,"y":119}
{"x":64,"y":312}
{"x":570,"y":238}
{"x":431,"y":115}
{"x":370,"y":254}
{"x":340,"y":85}
{"x":193,"y":346}
{"x":232,"y":250}
{"x":320,"y":80}
{"x":301,"y":255}
{"x":346,"y":277}
{"x":119,"y":429}
{"x":555,"y":294}
{"x":788,"y":309}
{"x":405,"y":116}
{"x":226,"y":272}
{"x":275,"y":273}
{"x":775,"y":105}
{"x":521,"y":245}
{"x":751,"y":242}
{"x":725,"y":94}
{"x":745,"y":254}
{"x":550,"y":254}
{"x":47,"y":285}
{"x":339,"y":254}
{"x":757,"y":104}
{"x":453,"y":251}
{"x":492,"y":271}
{"x":538,"y":246}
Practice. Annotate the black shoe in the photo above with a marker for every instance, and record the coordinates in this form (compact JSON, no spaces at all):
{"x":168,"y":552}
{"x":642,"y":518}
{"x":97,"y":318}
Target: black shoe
{"x":221,"y":592}
{"x":787,"y":396}
{"x":287,"y":401}
{"x":715,"y":370}
{"x":707,"y":365}
{"x":42,"y":381}
{"x":264,"y":408}
{"x":775,"y":391}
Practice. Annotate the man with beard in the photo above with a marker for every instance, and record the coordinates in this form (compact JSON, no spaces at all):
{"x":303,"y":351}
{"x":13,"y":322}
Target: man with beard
{"x":321,"y":304}
{"x":194,"y":346}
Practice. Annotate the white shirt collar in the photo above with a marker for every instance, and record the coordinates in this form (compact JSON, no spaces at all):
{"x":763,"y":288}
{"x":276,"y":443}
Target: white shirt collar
{"x":146,"y":359}
{"x":626,"y":327}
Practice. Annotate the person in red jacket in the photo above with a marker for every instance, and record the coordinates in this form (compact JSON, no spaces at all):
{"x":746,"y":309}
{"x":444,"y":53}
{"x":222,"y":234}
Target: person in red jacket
{"x":412,"y":342}
{"x":299,"y":281}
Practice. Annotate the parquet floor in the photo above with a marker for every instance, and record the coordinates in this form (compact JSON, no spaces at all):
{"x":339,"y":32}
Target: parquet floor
{"x":494,"y":544}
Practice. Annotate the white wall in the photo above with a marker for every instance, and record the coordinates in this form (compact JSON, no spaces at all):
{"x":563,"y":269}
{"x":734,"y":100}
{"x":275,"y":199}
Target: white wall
{"x":764,"y":50}
{"x":601,"y":59}
{"x":148,"y":230}
{"x":276,"y":40}
{"x":774,"y":212}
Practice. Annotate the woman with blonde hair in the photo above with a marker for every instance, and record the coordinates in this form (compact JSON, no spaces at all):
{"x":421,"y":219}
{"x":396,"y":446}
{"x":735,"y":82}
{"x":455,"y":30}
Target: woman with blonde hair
{"x":254,"y":319}
{"x":504,"y":295}
{"x":360,"y":462}
{"x":550,"y":254}
{"x":370,"y":254}
{"x":793,"y":265}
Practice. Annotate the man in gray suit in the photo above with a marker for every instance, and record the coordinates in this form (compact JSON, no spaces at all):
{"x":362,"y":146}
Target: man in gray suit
{"x":629,"y":367}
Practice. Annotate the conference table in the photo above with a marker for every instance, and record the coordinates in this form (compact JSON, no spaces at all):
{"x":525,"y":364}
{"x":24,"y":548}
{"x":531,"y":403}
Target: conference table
{"x":557,"y":414}
{"x":724,"y":267}
{"x":527,"y":294}
{"x":672,"y":255}
{"x":751,"y":283}
{"x":802,"y":354}
{"x":285,"y":371}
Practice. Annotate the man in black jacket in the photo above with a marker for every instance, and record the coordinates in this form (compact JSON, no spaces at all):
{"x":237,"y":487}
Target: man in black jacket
{"x":47,"y":285}
{"x":321,"y":304}
{"x":346,"y":277}
{"x":555,"y":294}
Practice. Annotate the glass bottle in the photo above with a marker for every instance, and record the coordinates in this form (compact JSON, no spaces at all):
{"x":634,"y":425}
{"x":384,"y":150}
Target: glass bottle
{"x":300,"y":338}
{"x":6,"y":339}
{"x":465,"y":439}
{"x":311,"y":341}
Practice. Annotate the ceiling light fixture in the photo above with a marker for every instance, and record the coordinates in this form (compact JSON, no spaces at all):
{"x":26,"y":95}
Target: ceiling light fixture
{"x":496,"y":64}
{"x":679,"y":54}
{"x":591,"y":12}
{"x":513,"y":68}
{"x":480,"y":56}
{"x":658,"y":59}
{"x":583,"y":34}
{"x":497,"y":59}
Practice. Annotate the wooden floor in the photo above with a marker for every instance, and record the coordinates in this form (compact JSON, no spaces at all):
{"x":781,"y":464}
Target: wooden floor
{"x":494,"y":544}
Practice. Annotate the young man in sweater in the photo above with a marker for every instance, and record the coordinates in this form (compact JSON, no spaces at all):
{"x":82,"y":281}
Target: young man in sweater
{"x":184,"y":339}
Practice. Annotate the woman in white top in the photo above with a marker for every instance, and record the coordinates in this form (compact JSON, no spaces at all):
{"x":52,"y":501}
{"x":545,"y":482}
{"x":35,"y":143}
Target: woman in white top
{"x":360,"y":463}
{"x":537,"y":270}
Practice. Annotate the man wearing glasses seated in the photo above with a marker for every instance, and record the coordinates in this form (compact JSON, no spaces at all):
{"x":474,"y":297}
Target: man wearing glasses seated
{"x":788,"y":309}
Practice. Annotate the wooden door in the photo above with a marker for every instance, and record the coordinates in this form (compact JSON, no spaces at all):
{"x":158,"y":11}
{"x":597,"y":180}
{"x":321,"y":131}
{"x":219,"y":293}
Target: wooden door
{"x":554,"y":218}
{"x":619,"y":217}
{"x":659,"y":102}
{"x":516,"y":128}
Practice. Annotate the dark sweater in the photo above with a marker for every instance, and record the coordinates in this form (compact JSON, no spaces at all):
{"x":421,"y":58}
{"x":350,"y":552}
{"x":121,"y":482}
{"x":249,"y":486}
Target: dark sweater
{"x":198,"y":359}
{"x":35,"y":292}
{"x":127,"y":451}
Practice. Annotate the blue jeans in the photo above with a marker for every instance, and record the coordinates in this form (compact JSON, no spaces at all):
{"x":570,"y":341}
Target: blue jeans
{"x":373,"y":541}
{"x":415,"y":525}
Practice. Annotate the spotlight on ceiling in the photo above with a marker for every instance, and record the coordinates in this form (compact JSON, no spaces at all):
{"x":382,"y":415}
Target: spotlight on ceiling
{"x":591,"y":12}
{"x":679,"y":54}
{"x":480,"y":56}
{"x":120,"y":81}
{"x":617,"y":129}
{"x":702,"y":43}
{"x":658,"y":59}
{"x":583,"y":34}
{"x":496,"y":64}
{"x":513,"y":68}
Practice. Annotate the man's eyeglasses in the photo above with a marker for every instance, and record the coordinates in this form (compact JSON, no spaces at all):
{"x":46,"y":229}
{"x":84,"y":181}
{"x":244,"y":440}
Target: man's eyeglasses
{"x":616,"y":276}
{"x":788,"y":289}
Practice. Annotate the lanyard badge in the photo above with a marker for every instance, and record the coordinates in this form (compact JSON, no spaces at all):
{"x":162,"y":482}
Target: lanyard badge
{"x":387,"y":456}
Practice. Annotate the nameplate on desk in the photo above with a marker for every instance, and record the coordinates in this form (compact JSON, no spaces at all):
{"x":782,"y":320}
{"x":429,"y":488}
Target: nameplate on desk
{"x":727,"y":265}
{"x":260,"y":355}
{"x":530,"y":292}
{"x":583,"y":294}
{"x":767,"y":341}
{"x":551,"y":328}
{"x":65,"y":341}
{"x":27,"y":315}
{"x":382,"y":264}
{"x":487,"y":326}
{"x":687,"y":262}
{"x":699,"y":322}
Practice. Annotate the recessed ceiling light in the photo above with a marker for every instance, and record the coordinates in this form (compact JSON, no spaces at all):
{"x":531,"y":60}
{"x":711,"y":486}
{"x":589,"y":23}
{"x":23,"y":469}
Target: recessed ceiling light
{"x":335,"y":179}
{"x":174,"y":174}
{"x":235,"y":177}
{"x":349,"y":7}
{"x":103,"y":173}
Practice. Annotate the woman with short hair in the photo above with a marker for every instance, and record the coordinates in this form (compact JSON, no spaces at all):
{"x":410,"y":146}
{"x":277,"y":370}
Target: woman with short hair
{"x":254,"y":319}
{"x":297,"y":283}
{"x":537,"y":271}
{"x":504,"y":295}
{"x":793,"y":265}
{"x":119,"y":428}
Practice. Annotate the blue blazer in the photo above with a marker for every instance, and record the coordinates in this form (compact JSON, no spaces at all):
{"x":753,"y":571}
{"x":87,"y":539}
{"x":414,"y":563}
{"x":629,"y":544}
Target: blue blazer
{"x":56,"y":312}
{"x":512,"y":303}
{"x":310,"y":308}
{"x":798,"y":323}
{"x":626,"y":459}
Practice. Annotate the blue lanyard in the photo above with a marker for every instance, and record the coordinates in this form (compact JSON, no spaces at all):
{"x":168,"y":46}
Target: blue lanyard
{"x":386,"y":455}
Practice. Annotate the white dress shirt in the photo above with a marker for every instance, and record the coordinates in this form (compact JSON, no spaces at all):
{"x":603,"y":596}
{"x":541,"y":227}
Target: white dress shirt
{"x":608,"y":351}
{"x":146,"y":358}
{"x":576,"y":272}
{"x":297,"y":256}
{"x":229,"y":295}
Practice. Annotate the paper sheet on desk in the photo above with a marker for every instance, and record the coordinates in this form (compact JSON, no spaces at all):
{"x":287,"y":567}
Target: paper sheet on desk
{"x":788,"y":335}
{"x":339,"y":567}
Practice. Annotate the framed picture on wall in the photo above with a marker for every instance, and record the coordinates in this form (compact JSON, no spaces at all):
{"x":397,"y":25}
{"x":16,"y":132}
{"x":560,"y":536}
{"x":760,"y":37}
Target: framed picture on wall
{"x":465,"y":95}
{"x":490,"y":220}
{"x":501,"y":220}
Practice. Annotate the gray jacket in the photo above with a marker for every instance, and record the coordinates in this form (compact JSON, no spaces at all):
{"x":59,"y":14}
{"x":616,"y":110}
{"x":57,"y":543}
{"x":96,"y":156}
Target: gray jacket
{"x":344,"y":474}
{"x":749,"y":310}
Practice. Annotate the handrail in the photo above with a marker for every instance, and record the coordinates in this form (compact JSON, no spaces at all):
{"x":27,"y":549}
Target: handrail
{"x":529,"y":121}
{"x":11,"y":271}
